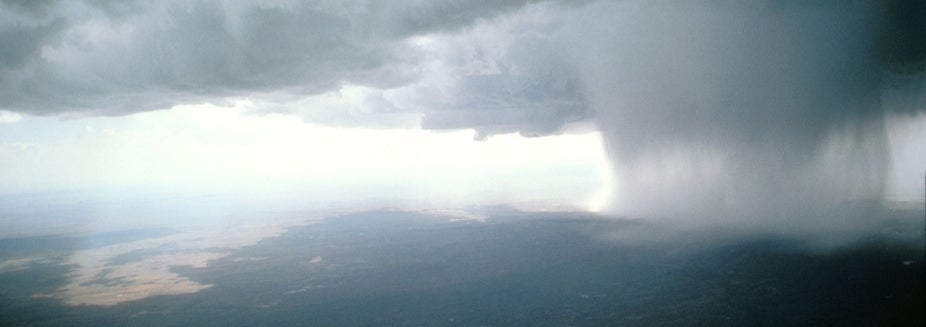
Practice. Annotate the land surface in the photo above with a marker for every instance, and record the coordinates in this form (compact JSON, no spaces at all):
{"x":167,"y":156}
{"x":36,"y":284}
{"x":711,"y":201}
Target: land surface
{"x":499,"y":267}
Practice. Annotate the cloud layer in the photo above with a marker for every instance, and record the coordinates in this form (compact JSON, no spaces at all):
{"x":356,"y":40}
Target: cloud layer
{"x":88,"y":57}
{"x":708,"y":107}
{"x":495,"y":66}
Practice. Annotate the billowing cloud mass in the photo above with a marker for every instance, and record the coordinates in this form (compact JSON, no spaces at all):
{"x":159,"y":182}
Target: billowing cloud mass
{"x":713,"y":108}
{"x":90,"y":57}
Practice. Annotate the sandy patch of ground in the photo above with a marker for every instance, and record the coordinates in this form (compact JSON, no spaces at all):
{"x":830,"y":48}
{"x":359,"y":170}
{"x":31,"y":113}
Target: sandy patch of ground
{"x":455,"y":214}
{"x":23,"y":263}
{"x":101,"y":279}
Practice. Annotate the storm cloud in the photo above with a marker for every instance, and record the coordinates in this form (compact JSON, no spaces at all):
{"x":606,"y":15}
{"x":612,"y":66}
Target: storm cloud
{"x":91,"y":58}
{"x":709,"y":108}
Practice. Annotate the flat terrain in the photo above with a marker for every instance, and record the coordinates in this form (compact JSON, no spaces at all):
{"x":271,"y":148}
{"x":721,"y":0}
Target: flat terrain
{"x":390,"y":267}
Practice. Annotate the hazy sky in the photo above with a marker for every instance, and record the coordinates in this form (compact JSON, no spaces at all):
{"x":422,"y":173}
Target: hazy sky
{"x":716,"y":103}
{"x":207,"y":149}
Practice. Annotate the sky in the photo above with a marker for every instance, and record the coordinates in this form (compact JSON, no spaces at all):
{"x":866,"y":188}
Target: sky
{"x":208,"y":149}
{"x":643,"y":108}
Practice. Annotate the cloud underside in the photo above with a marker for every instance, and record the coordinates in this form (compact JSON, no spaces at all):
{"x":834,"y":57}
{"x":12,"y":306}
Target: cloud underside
{"x":85,"y":58}
{"x":494,"y":66}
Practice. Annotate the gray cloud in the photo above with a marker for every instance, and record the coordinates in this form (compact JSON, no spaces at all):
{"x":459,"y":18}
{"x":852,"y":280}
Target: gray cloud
{"x":902,"y":35}
{"x":712,"y":108}
{"x":530,"y":89}
{"x":744,"y":112}
{"x":104,"y":58}
{"x":101,"y":57}
{"x":407,"y":18}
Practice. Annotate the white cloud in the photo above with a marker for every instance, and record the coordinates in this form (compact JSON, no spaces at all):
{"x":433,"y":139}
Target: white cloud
{"x":8,"y":117}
